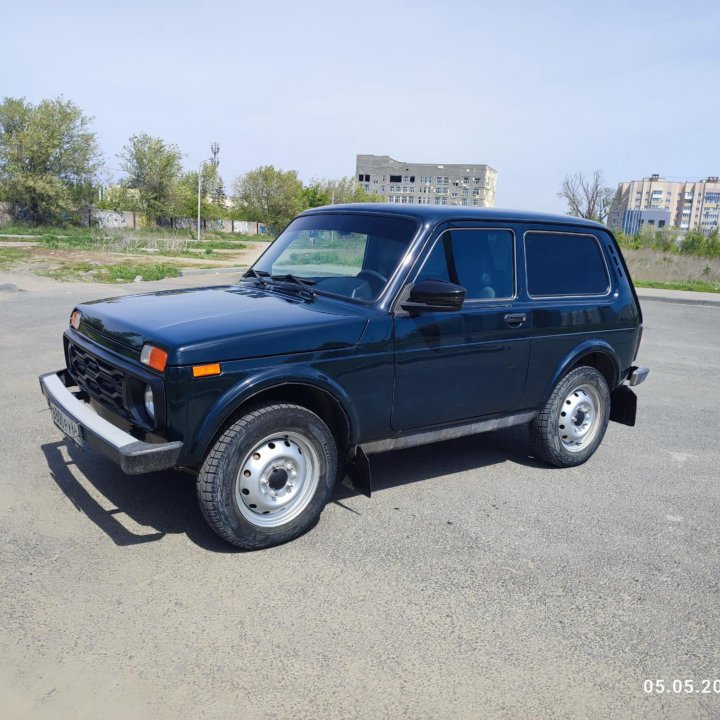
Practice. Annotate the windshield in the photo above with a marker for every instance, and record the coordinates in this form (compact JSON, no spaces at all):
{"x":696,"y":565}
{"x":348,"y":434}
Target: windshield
{"x":348,"y":254}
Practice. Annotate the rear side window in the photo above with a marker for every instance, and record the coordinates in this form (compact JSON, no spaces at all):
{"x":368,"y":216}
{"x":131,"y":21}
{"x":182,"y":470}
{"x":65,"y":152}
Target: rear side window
{"x":564,"y":264}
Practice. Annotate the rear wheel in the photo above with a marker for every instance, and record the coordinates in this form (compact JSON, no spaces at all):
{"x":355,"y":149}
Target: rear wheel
{"x":268,"y":477}
{"x":573,"y":422}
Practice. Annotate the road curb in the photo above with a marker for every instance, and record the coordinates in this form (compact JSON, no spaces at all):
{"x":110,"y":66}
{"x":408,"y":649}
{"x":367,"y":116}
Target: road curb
{"x":680,"y":297}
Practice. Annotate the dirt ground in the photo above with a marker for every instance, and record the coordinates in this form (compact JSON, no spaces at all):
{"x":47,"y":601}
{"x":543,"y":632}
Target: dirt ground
{"x":40,"y":259}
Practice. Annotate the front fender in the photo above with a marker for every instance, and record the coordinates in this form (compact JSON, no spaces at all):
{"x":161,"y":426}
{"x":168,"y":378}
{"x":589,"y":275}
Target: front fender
{"x":243,"y":391}
{"x":584,"y":349}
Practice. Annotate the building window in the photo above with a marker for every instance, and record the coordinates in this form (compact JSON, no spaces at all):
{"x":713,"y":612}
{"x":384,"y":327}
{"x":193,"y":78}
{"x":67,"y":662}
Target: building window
{"x":396,"y":178}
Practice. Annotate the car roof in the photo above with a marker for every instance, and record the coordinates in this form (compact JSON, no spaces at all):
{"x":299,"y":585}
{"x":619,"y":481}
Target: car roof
{"x":438,"y":213}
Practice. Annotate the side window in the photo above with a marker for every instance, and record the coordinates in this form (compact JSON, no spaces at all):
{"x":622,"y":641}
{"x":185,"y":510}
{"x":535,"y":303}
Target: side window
{"x":482,"y":261}
{"x":564,"y":264}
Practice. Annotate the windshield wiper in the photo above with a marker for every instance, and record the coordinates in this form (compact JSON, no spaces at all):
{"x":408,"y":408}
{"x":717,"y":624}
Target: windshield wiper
{"x":294,"y":278}
{"x":293,"y":281}
{"x":258,"y":274}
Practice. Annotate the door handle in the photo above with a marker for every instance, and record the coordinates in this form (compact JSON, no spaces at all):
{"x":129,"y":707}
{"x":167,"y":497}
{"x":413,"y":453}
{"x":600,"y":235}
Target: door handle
{"x":515,"y":319}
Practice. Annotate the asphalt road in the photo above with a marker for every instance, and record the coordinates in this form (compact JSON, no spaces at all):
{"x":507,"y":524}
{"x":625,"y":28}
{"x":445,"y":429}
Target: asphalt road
{"x":476,"y":583}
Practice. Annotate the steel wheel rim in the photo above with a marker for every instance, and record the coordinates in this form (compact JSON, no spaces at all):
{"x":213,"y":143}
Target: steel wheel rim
{"x":277,"y":479}
{"x":579,"y":418}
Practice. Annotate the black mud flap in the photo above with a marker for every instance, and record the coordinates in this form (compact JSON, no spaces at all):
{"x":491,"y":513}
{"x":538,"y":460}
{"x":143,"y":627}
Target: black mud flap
{"x":358,"y":473}
{"x":623,"y":406}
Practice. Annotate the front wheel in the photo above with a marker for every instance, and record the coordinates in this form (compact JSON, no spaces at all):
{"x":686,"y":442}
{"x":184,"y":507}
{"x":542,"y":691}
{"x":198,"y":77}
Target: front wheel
{"x":268,"y":477}
{"x":573,"y":422}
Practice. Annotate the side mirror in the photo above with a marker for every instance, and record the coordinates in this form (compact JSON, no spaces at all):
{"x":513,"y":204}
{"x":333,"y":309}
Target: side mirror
{"x":434,"y":296}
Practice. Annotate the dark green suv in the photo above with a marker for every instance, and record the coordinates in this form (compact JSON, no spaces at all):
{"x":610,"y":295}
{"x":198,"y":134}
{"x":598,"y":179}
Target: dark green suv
{"x":362,"y":328}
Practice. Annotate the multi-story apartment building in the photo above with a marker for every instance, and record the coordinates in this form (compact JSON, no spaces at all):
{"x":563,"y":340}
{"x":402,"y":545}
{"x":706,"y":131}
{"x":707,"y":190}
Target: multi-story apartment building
{"x":664,"y":203}
{"x":427,"y":184}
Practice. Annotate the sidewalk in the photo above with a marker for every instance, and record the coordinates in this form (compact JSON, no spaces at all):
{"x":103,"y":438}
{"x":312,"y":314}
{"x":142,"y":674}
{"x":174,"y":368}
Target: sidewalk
{"x":682,"y":297}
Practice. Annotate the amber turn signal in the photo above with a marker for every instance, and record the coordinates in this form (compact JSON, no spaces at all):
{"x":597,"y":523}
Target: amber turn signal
{"x":154,"y":357}
{"x":205,"y":370}
{"x":75,"y":319}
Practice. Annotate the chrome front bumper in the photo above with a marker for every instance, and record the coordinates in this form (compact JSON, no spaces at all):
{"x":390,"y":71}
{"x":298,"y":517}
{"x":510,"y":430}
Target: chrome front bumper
{"x":132,"y":455}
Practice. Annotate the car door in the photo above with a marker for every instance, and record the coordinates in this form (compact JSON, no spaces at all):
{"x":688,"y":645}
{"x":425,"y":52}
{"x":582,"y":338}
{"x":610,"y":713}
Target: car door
{"x":472,"y":362}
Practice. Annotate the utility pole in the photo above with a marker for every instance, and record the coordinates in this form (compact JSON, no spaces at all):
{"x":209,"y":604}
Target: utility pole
{"x":215,"y":149}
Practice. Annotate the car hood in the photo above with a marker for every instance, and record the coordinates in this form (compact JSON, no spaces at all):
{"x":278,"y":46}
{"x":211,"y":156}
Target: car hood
{"x":224,"y":323}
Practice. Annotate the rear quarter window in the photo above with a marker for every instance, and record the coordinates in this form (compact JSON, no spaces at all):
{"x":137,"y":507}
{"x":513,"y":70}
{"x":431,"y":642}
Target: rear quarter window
{"x":564,"y":264}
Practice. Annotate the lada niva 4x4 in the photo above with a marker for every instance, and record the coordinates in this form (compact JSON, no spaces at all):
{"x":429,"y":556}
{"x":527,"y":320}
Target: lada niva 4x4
{"x":362,"y":328}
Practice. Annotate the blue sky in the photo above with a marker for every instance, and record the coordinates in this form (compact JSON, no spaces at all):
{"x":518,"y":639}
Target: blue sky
{"x":536,"y":90}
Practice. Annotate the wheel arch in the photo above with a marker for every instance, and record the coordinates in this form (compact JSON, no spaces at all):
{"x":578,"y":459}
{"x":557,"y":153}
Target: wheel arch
{"x":593,"y":353}
{"x":317,"y":393}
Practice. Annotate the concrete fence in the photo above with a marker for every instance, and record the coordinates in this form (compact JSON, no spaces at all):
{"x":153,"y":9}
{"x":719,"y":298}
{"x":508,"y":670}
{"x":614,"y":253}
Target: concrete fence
{"x":123,"y":219}
{"x":113,"y":219}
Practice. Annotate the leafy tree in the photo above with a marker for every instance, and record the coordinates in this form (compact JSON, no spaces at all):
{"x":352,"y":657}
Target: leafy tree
{"x":119,"y":197}
{"x":315,"y":195}
{"x":336,"y":191}
{"x":218,"y":192}
{"x":587,"y":197}
{"x":49,"y":158}
{"x":153,"y":169}
{"x":186,"y":192}
{"x":269,"y":196}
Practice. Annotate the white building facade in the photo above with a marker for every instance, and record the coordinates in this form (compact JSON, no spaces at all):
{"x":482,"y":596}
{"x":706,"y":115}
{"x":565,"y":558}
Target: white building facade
{"x":427,"y":184}
{"x":686,"y":205}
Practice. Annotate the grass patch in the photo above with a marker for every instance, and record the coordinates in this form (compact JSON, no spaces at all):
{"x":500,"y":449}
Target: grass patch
{"x":122,"y":272}
{"x":9,"y":256}
{"x":694,"y":285}
{"x":217,"y":245}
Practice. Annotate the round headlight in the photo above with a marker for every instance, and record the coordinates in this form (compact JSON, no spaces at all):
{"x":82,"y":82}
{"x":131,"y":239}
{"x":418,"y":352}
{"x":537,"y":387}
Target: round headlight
{"x":149,"y":402}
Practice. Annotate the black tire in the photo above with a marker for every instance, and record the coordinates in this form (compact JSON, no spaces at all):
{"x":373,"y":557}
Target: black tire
{"x":240,"y":485}
{"x":558,"y":434}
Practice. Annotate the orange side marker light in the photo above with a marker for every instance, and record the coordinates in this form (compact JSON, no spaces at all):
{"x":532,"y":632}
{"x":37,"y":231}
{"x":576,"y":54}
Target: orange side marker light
{"x":206,"y":370}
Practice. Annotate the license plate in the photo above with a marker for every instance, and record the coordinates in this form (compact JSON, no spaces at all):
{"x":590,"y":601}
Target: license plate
{"x":67,"y":425}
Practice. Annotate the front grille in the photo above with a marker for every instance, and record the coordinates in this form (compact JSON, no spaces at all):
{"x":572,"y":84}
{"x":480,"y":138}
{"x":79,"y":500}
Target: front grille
{"x":98,"y":379}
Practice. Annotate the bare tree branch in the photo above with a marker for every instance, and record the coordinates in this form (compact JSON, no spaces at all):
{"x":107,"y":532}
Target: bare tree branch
{"x":587,"y":197}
